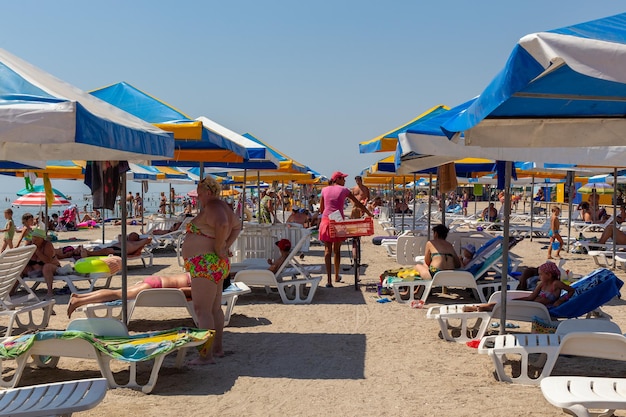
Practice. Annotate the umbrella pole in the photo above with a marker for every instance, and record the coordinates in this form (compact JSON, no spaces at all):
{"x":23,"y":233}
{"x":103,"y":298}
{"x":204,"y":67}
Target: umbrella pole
{"x":532,"y":205}
{"x":171,"y":201}
{"x":258,"y":195}
{"x":403,"y":198}
{"x":414,"y":198}
{"x":243,"y":196}
{"x":282,"y":199}
{"x":142,"y":204}
{"x":393,"y":203}
{"x":123,"y":245}
{"x":475,"y":203}
{"x":505,"y":247}
{"x":614,"y":215}
{"x":430,"y":201}
{"x":570,"y":184}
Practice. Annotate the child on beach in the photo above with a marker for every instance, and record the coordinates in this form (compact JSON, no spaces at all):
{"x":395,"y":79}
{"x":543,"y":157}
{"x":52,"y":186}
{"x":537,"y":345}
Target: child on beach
{"x":9,"y":230}
{"x":28,"y":221}
{"x":547,"y":292}
{"x":467,"y":254}
{"x":284,"y":245}
{"x":556,"y":241}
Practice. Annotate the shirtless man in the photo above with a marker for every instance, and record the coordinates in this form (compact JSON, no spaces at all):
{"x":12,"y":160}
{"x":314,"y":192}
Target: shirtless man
{"x":299,"y":216}
{"x":362,"y":193}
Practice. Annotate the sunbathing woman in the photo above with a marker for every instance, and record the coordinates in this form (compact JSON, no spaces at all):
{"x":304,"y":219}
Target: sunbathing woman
{"x":68,"y":252}
{"x":547,"y":292}
{"x":439,"y":254}
{"x":134,"y":246}
{"x":181,"y":281}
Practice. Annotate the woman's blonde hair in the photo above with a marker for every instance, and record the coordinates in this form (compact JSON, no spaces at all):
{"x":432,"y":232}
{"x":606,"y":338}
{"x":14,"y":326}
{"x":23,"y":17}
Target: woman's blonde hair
{"x":210,"y":183}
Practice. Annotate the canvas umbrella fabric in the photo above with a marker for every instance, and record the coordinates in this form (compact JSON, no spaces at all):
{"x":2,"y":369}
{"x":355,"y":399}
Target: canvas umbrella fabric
{"x":192,"y":138}
{"x":40,"y":189}
{"x":388,"y":142}
{"x":38,"y":198}
{"x":596,"y":187}
{"x":44,"y":118}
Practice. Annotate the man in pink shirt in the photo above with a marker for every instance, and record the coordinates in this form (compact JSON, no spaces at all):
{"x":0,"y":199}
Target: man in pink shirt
{"x":333,"y":199}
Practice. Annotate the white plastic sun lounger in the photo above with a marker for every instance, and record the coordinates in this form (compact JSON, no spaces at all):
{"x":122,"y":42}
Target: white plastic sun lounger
{"x":164,"y":298}
{"x":55,"y":399}
{"x":46,"y":353}
{"x":577,"y":394}
{"x":575,"y":338}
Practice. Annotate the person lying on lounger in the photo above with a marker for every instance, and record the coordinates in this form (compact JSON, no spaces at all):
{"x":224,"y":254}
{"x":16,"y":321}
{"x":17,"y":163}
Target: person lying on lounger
{"x":181,"y":281}
{"x":134,"y":246}
{"x":607,"y":233}
{"x":174,"y":228}
{"x":547,"y":292}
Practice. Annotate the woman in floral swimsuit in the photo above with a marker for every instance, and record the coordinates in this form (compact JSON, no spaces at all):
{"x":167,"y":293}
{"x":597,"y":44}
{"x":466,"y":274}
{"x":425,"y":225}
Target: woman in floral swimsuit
{"x":205,"y":250}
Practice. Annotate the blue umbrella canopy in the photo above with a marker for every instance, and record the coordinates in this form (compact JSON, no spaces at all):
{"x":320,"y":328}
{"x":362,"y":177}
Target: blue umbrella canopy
{"x":559,"y":88}
{"x":44,"y":118}
{"x":387,"y":142}
{"x":193,"y":140}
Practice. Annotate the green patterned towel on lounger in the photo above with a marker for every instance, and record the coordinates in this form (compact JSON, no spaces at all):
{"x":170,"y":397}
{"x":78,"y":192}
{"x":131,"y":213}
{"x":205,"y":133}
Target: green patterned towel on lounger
{"x":133,"y":348}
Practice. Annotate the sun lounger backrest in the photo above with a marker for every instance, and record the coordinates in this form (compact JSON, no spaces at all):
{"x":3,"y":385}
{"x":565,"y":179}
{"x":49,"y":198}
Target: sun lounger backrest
{"x":496,"y":297}
{"x":483,"y":252}
{"x":522,"y":311}
{"x":408,"y":247}
{"x":294,"y":251}
{"x":479,"y":270}
{"x":594,"y":345}
{"x":587,"y":325}
{"x":592,"y":291}
{"x":12,"y":263}
{"x":99,"y":326}
{"x":254,"y":243}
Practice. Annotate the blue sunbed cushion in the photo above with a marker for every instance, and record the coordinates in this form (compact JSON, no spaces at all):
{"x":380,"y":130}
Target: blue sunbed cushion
{"x":592,"y":291}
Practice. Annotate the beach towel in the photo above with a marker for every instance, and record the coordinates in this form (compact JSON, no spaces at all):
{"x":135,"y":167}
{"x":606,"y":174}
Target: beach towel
{"x":592,"y":291}
{"x":133,"y":348}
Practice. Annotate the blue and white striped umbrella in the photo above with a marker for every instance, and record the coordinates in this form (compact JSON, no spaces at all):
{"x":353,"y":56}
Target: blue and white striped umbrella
{"x":44,"y":118}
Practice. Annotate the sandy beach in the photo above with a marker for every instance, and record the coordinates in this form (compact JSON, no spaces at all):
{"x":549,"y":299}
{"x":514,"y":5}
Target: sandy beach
{"x":345,"y":354}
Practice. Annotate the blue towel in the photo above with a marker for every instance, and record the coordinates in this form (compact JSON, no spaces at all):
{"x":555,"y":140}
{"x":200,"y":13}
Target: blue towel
{"x":592,"y":291}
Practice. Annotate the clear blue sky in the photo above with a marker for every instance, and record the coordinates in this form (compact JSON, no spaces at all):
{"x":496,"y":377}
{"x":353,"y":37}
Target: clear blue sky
{"x":312,"y":79}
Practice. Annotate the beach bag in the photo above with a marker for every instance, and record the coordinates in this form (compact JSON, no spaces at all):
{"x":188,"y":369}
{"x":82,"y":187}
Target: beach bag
{"x":542,"y":327}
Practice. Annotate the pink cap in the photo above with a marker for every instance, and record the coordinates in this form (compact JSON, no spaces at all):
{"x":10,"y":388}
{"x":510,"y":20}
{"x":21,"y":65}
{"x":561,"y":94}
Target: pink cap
{"x":337,"y":175}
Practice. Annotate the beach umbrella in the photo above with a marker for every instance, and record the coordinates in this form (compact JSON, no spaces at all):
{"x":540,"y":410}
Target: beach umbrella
{"x":39,"y":189}
{"x":38,"y":198}
{"x":596,"y":187}
{"x":387,"y":142}
{"x":66,"y":169}
{"x":560,"y":91}
{"x":45,"y":118}
{"x":193,"y":142}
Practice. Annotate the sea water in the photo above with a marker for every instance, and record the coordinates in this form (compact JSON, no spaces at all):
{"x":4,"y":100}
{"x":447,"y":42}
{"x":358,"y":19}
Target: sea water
{"x":82,"y":201}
